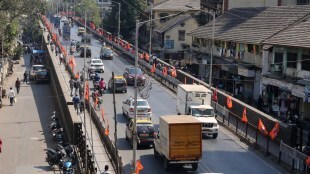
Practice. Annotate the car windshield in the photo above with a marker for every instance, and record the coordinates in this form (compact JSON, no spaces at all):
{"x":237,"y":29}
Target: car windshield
{"x":108,"y":52}
{"x":145,"y":127}
{"x":132,"y":71}
{"x":119,"y":80}
{"x":35,"y":68}
{"x":141,"y":103}
{"x":42,"y":73}
{"x":96,"y":61}
{"x":202,"y":112}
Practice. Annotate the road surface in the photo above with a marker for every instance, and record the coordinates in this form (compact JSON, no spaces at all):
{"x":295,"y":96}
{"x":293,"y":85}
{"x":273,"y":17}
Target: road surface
{"x":222,"y":155}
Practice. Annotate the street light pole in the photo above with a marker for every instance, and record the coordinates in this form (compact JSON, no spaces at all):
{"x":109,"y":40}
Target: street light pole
{"x":211,"y":57}
{"x":2,"y":63}
{"x":150,"y":45}
{"x":119,"y":22}
{"x":86,"y":167}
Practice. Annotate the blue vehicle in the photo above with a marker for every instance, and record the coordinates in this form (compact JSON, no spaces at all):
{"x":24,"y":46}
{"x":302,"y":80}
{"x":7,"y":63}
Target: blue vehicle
{"x":56,"y":21}
{"x":67,"y":168}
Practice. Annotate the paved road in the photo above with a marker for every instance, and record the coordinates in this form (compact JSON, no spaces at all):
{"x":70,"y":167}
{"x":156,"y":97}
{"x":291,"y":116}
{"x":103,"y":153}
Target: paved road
{"x":24,"y":127}
{"x":223,"y":155}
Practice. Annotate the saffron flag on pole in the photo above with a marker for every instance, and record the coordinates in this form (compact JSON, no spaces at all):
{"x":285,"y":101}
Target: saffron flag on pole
{"x":107,"y":131}
{"x":274,"y":131}
{"x":261,"y":127}
{"x":153,"y":68}
{"x":165,"y":71}
{"x":138,"y":166}
{"x":96,"y":102}
{"x":244,"y":117}
{"x":214,"y":95}
{"x":229,"y":102}
{"x":86,"y":91}
{"x":174,"y":72}
{"x":77,"y":75}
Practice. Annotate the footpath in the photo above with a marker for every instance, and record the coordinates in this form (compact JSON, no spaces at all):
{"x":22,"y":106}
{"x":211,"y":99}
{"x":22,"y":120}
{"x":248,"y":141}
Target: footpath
{"x":101,"y":156}
{"x":24,"y":126}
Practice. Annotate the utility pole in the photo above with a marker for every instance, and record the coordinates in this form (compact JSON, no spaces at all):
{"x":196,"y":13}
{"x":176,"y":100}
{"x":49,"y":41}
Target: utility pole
{"x":211,"y":57}
{"x":86,"y":167}
{"x":151,"y":16}
{"x":119,"y":22}
{"x":2,"y":63}
{"x":115,"y":119}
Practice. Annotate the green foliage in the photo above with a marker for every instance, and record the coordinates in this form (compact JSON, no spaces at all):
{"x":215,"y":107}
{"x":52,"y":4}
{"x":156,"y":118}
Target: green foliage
{"x":18,"y":52}
{"x":92,"y":10}
{"x":130,"y":12}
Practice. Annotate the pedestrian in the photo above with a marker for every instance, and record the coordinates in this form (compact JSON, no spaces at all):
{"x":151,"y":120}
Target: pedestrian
{"x":25,"y":77}
{"x":71,"y":84}
{"x":17,"y":85}
{"x":60,"y":58}
{"x":76,"y":102}
{"x":106,"y":169}
{"x":48,"y":38}
{"x":76,"y":86}
{"x":31,"y":59}
{"x":11,"y":96}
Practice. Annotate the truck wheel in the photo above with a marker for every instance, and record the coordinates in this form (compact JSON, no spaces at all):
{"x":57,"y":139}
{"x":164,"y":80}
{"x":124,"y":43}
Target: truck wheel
{"x":214,"y":136}
{"x":166,"y":164}
{"x":194,"y":166}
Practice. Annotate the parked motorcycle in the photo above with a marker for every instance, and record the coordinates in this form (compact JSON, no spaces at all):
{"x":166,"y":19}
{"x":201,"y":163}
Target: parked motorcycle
{"x":67,"y":168}
{"x":58,"y":135}
{"x":54,"y":157}
{"x":54,"y":125}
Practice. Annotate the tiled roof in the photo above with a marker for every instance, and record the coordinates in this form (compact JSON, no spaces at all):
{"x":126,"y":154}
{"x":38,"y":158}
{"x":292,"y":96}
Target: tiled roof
{"x":171,"y":23}
{"x":295,"y":36}
{"x":252,"y":25}
{"x":178,"y":5}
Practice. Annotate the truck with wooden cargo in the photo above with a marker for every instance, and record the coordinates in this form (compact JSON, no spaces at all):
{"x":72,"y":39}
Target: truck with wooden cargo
{"x":195,"y":100}
{"x":179,"y":141}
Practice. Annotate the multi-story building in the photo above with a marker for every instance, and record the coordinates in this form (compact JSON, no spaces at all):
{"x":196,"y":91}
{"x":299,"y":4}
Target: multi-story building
{"x":238,"y":50}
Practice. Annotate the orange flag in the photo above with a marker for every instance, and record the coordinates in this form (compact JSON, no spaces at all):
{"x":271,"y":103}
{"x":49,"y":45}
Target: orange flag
{"x":229,"y":102}
{"x":185,"y":80}
{"x":214,"y":95}
{"x":107,"y":131}
{"x":138,"y":166}
{"x":102,"y":114}
{"x":261,"y":127}
{"x":86,"y":91}
{"x":153,"y":68}
{"x":174,"y":72}
{"x":274,"y":131}
{"x":147,"y":57}
{"x":244,"y":118}
{"x":308,"y":161}
{"x":165,"y":71}
{"x":96,"y":102}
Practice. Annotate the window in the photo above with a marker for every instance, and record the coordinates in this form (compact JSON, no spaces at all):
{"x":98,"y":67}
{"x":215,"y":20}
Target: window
{"x":291,"y":61}
{"x":302,"y":2}
{"x":305,"y":62}
{"x":278,"y":58}
{"x":181,"y":35}
{"x":161,"y":15}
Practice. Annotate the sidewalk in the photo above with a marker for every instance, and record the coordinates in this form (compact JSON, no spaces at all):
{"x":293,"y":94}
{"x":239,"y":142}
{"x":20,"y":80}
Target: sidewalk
{"x":24,"y":126}
{"x":101,"y":156}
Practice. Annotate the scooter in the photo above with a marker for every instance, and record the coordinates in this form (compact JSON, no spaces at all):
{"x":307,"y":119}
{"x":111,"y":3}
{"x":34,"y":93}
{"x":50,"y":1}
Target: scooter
{"x":67,"y":168}
{"x":54,"y":157}
{"x":58,"y":136}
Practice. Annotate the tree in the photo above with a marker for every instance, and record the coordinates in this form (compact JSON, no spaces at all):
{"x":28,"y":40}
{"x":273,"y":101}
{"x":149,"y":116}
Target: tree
{"x":92,"y":11}
{"x":131,"y":10}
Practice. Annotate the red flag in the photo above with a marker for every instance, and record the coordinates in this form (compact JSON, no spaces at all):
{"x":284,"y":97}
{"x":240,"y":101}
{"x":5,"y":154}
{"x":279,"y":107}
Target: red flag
{"x":261,"y":127}
{"x":138,"y":166}
{"x":244,"y":117}
{"x":229,"y":102}
{"x":214,"y":95}
{"x":0,"y":145}
{"x":86,"y":91}
{"x":147,"y":57}
{"x":96,"y":102}
{"x":274,"y":131}
{"x":107,"y":131}
{"x":153,"y":68}
{"x":102,"y":114}
{"x":77,"y":75}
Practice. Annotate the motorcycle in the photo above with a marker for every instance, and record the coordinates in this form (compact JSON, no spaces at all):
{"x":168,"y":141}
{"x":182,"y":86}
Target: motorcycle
{"x":58,"y":135}
{"x":91,"y":73}
{"x":54,"y":157}
{"x":96,"y":84}
{"x":53,"y":116}
{"x":67,"y":168}
{"x":54,"y":125}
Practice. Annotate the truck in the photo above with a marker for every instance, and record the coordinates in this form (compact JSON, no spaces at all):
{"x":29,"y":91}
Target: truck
{"x":195,"y":100}
{"x":179,"y":141}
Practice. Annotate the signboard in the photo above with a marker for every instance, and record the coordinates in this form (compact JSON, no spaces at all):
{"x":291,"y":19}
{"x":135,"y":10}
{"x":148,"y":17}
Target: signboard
{"x":245,"y":72}
{"x":169,"y":44}
{"x":38,"y":51}
{"x":66,"y":32}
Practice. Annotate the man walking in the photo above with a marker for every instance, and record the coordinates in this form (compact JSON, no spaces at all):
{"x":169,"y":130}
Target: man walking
{"x":76,"y":102}
{"x":17,"y":85}
{"x":71,"y":83}
{"x":106,"y":170}
{"x":11,"y":95}
{"x":60,"y":58}
{"x":25,"y":77}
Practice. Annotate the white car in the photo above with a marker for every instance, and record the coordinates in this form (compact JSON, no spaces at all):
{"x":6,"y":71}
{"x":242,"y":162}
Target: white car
{"x":144,"y":110}
{"x":97,"y":64}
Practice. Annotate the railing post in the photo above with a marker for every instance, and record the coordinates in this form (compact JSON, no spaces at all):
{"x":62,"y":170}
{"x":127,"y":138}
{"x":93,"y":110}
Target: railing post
{"x":280,"y":151}
{"x":293,"y":161}
{"x":237,"y":124}
{"x":267,"y":148}
{"x":256,"y":137}
{"x":246,"y":130}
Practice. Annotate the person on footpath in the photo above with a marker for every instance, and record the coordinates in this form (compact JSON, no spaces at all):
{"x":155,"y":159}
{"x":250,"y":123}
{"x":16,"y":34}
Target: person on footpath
{"x":11,"y":96}
{"x":61,"y":56}
{"x":106,"y":169}
{"x":17,"y":85}
{"x":25,"y":77}
{"x":76,"y":102}
{"x":76,"y":86}
{"x":71,"y":84}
